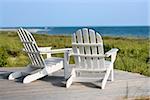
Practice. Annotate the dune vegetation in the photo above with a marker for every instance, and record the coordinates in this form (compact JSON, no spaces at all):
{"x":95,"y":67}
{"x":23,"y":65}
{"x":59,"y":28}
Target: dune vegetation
{"x":133,"y":55}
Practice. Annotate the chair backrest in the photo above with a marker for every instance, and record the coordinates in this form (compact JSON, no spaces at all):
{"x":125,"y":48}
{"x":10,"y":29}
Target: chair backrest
{"x":31,"y":48}
{"x":88,"y":49}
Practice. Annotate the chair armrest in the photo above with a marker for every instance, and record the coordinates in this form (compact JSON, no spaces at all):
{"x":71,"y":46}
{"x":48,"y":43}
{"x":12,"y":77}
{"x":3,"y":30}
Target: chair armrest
{"x":112,"y":53}
{"x":90,"y":55}
{"x":61,"y":50}
{"x":48,"y":51}
{"x":44,"y":49}
{"x":53,"y":51}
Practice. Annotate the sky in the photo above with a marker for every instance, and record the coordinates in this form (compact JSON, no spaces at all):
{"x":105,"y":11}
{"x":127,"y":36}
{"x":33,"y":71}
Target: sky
{"x":28,"y":13}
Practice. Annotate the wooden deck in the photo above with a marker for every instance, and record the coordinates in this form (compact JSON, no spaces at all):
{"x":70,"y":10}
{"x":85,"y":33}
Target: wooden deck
{"x":126,"y":85}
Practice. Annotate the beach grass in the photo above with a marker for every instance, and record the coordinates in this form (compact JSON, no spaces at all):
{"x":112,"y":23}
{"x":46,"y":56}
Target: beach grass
{"x":133,"y":55}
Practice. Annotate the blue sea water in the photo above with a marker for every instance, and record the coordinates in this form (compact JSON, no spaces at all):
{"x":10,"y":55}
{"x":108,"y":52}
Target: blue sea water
{"x":115,"y":31}
{"x":130,"y":31}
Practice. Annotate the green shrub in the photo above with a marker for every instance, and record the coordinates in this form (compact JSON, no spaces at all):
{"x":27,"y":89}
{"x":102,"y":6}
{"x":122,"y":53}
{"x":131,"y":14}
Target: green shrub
{"x":3,"y":56}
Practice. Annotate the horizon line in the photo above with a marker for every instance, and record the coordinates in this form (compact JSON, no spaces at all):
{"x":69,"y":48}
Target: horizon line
{"x":81,"y":26}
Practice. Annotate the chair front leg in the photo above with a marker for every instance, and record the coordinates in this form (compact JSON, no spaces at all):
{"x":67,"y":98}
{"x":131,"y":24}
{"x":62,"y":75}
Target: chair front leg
{"x":70,"y":80}
{"x":113,"y":57}
{"x":15,"y":75}
{"x":105,"y":78}
{"x":112,"y":74}
{"x":66,"y":64}
{"x":20,"y":73}
{"x":35,"y":76}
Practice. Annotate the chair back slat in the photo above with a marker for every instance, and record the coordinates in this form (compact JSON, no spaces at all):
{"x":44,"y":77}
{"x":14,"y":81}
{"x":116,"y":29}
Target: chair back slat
{"x":87,"y":37}
{"x":26,"y":47}
{"x":81,"y":48}
{"x":34,"y":49}
{"x":75,"y":49}
{"x":88,"y":61}
{"x":100,"y":51}
{"x":31,"y":48}
{"x":94,"y":48}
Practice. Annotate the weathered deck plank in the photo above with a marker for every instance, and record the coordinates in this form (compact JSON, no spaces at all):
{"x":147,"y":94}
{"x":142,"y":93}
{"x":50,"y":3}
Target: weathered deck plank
{"x":53,"y":88}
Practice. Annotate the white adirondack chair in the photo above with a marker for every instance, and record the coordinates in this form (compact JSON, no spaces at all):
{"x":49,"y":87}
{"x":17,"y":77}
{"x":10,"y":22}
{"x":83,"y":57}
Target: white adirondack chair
{"x":38,"y":67}
{"x":89,"y":57}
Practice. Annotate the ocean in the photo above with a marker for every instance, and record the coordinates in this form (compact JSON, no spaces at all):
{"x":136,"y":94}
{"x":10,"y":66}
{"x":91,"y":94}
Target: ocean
{"x":113,"y":31}
{"x":133,"y":31}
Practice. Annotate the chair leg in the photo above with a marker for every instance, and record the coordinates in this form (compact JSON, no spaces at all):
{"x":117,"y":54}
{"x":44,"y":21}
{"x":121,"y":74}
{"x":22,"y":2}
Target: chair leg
{"x":54,"y":68}
{"x":105,"y":78}
{"x":45,"y":71}
{"x":18,"y":74}
{"x":70,"y":80}
{"x":112,"y":74}
{"x":35,"y":76}
{"x":15,"y":75}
